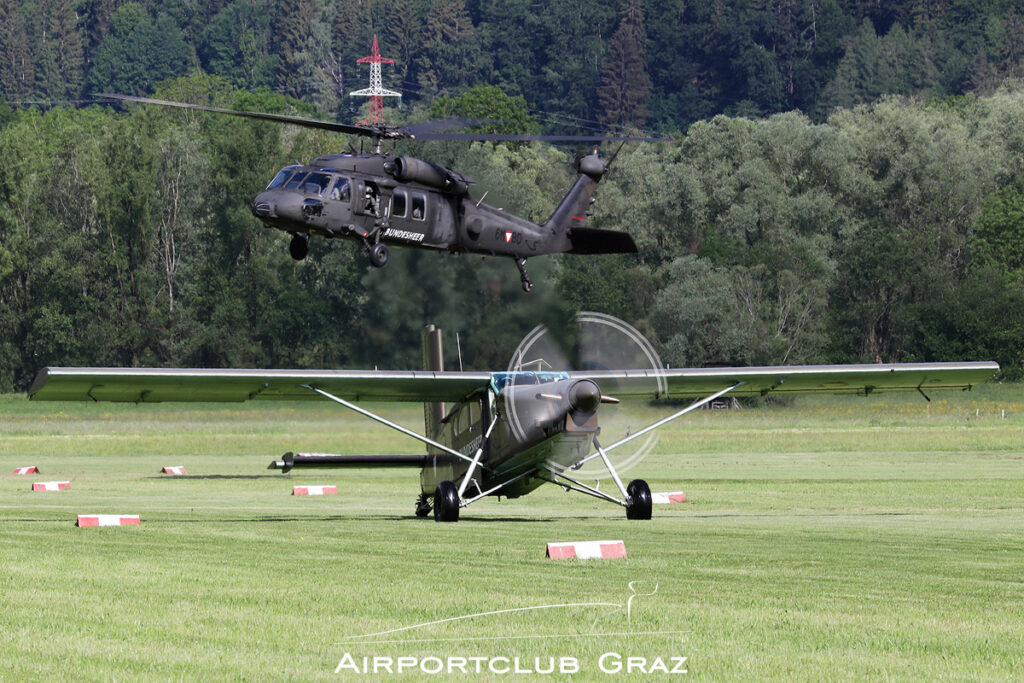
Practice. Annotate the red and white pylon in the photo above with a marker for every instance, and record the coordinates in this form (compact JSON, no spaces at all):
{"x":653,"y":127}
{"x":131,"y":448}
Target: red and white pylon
{"x":376,"y":92}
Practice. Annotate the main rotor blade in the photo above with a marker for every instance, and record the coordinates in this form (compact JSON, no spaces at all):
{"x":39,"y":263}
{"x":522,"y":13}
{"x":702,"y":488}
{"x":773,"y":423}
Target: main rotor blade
{"x":368,"y":131}
{"x":500,"y":137}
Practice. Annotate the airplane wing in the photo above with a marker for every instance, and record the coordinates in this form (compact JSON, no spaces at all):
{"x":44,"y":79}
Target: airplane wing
{"x":792,"y":379}
{"x":141,"y":385}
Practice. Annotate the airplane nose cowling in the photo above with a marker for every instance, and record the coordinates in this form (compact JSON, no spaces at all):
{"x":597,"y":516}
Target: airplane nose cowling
{"x":584,"y":396}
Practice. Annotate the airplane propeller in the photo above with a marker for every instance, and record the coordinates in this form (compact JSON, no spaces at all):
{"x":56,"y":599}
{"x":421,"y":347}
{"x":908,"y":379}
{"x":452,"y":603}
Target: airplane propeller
{"x":589,"y":343}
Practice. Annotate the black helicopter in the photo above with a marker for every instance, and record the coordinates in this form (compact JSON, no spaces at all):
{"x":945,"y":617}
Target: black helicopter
{"x":382,"y":199}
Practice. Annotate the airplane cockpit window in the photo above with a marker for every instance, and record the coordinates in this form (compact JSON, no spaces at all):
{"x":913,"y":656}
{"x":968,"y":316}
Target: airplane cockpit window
{"x":296,"y":181}
{"x":342,"y":191}
{"x":316,"y":183}
{"x":419,"y":206}
{"x":281,"y":177}
{"x":398,"y":204}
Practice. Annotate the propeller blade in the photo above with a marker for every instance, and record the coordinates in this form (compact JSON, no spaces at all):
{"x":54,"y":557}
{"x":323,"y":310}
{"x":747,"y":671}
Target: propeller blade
{"x":367,"y":131}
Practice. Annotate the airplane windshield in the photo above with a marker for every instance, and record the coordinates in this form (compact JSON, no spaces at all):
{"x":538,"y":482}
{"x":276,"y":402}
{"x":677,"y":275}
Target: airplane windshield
{"x":500,"y":380}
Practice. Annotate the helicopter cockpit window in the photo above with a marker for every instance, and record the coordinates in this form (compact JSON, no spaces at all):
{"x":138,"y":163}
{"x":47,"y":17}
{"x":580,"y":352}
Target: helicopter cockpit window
{"x":419,"y":206}
{"x":342,"y":191}
{"x":280,"y":178}
{"x":296,"y":181}
{"x":398,"y":204}
{"x":316,"y":183}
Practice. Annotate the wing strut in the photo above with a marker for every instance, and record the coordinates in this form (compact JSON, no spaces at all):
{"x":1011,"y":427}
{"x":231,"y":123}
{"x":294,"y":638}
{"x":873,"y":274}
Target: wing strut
{"x":659,"y":423}
{"x":476,"y":460}
{"x":395,"y":426}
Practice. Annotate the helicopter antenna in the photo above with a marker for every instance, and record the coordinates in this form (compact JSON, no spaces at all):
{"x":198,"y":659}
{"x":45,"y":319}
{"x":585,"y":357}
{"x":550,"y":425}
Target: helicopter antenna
{"x":376,"y":92}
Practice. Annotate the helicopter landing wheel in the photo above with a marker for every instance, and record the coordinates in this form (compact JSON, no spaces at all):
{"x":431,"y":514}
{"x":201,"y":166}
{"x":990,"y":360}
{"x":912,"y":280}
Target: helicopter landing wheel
{"x":446,"y":502}
{"x":379,"y":255}
{"x":299,"y":247}
{"x":527,"y":283}
{"x":639,"y":506}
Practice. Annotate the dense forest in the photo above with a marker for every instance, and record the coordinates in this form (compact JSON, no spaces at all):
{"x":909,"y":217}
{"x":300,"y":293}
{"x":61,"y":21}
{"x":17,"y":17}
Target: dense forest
{"x":844,"y":180}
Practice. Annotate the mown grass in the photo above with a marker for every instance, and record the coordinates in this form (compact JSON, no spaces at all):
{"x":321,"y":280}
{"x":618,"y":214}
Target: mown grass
{"x":828,"y":538}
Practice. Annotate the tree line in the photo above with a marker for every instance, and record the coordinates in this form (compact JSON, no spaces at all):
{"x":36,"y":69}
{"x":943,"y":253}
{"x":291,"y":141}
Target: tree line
{"x":663,"y":64}
{"x":888,"y":232}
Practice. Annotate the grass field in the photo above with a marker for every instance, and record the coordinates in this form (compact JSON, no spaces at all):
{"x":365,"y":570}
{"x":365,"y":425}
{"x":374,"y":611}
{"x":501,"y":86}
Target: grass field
{"x":833,"y":538}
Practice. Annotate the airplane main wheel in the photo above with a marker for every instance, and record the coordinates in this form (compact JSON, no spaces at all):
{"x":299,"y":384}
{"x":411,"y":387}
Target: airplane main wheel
{"x":379,"y":255}
{"x":446,"y":502}
{"x":299,"y":247}
{"x":640,"y":504}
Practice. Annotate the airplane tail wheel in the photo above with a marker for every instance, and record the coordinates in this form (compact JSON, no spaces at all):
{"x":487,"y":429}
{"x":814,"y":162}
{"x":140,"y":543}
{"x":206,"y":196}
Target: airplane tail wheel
{"x":446,"y":502}
{"x":299,"y":247}
{"x":639,"y":506}
{"x":422,"y":506}
{"x":379,"y":255}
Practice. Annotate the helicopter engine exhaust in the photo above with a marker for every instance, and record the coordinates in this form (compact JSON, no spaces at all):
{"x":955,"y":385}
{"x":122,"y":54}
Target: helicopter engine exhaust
{"x":410,"y":169}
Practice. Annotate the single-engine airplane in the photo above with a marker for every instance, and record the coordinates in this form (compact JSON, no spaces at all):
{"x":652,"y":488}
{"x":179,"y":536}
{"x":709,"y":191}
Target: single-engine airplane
{"x":381,"y":199}
{"x":507,"y":433}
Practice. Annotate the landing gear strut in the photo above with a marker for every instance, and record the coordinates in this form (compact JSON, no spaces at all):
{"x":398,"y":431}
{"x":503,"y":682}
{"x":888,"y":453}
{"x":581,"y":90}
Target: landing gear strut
{"x":527,"y":282}
{"x":299,"y":247}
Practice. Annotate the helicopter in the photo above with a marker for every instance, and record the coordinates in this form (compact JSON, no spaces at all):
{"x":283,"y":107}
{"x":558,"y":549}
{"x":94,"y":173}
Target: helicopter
{"x":384,"y":200}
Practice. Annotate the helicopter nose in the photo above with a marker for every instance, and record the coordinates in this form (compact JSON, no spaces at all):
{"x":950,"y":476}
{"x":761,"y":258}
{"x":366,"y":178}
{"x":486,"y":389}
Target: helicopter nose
{"x":262,"y":206}
{"x":584,"y":397}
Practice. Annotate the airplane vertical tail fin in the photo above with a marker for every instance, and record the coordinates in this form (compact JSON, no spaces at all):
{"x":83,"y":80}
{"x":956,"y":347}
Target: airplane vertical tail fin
{"x":433,"y":361}
{"x":568,"y":219}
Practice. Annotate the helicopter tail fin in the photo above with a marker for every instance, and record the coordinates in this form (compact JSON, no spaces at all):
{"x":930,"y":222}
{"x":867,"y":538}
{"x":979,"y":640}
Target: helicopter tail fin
{"x":568,"y":218}
{"x":433,"y":360}
{"x":575,"y":206}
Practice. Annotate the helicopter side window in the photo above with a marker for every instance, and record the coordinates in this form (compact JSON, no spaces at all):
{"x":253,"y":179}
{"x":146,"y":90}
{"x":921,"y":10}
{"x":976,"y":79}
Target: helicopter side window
{"x":296,"y":181}
{"x":419,"y":206}
{"x":280,"y":178}
{"x":316,"y":183}
{"x":342,"y":191}
{"x":398,"y":204}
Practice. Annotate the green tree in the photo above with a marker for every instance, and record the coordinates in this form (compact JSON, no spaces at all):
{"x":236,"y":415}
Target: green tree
{"x":624,"y":94}
{"x":17,"y":74}
{"x":291,"y":28}
{"x":60,"y":53}
{"x":139,"y":53}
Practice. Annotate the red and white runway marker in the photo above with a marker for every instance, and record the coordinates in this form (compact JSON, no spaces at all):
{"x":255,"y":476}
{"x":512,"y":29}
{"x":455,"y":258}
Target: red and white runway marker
{"x":586,"y":550}
{"x":314,"y":490}
{"x":51,"y":486}
{"x":670,"y":497}
{"x":177,"y":469}
{"x":108,"y":520}
{"x":27,"y":470}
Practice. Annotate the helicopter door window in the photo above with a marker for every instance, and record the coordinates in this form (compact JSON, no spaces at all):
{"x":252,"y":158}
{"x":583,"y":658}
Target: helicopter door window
{"x":419,"y":206}
{"x":316,"y":183}
{"x":398,"y":204}
{"x":370,"y":202}
{"x":342,"y":191}
{"x":296,"y":181}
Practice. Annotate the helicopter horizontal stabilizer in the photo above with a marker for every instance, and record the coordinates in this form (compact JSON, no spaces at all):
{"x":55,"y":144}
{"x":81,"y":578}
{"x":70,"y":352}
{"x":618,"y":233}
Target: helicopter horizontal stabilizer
{"x":596,"y":241}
